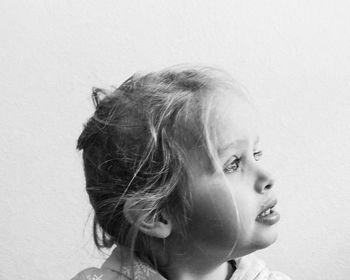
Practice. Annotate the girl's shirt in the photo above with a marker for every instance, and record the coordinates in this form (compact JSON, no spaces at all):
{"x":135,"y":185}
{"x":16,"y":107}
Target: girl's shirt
{"x":248,"y":268}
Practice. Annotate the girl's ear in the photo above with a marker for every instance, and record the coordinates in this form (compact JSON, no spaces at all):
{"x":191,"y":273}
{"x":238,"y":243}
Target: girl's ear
{"x":161,"y":228}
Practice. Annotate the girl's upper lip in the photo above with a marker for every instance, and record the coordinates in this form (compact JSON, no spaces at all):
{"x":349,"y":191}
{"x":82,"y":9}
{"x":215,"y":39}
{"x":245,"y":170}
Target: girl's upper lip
{"x":268,"y":204}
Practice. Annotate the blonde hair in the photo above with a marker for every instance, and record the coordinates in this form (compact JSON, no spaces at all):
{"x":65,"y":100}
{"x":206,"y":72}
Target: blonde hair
{"x":135,"y":145}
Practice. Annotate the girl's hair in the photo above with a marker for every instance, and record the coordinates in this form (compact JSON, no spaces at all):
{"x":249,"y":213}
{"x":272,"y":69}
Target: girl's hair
{"x":135,"y":145}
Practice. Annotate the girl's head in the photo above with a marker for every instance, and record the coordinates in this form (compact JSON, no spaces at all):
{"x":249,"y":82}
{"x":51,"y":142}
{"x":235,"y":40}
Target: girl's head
{"x":171,"y":158}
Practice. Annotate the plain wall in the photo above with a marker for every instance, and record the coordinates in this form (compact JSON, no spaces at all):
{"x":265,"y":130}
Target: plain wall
{"x":293,"y":57}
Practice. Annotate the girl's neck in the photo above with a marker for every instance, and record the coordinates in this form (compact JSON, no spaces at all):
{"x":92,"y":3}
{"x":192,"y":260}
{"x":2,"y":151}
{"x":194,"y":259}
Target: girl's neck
{"x":175,"y":266}
{"x":222,"y":272}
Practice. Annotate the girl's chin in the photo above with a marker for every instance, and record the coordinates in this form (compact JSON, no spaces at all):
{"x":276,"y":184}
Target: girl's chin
{"x":263,"y":240}
{"x":267,"y":238}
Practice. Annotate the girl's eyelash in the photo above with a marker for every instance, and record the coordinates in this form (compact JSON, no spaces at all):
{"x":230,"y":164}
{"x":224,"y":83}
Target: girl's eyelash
{"x":232,"y":165}
{"x":257,"y":155}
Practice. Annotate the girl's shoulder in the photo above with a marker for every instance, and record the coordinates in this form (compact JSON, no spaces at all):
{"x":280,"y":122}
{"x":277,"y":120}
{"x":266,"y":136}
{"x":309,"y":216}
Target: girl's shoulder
{"x":119,"y":266}
{"x":94,"y":273}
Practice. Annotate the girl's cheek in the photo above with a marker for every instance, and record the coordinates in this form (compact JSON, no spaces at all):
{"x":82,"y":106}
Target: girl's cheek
{"x":214,"y":218}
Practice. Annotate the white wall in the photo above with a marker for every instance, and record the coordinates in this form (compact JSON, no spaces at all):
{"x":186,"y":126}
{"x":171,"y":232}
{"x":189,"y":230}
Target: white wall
{"x":292,"y":56}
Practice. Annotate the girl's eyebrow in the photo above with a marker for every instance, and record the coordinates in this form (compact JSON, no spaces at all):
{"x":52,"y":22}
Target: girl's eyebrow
{"x":257,"y":140}
{"x":232,"y":145}
{"x":236,"y":144}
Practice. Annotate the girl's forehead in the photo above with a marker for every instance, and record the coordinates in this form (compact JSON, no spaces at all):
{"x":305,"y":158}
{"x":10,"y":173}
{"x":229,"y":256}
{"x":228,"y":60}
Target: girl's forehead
{"x":233,"y":121}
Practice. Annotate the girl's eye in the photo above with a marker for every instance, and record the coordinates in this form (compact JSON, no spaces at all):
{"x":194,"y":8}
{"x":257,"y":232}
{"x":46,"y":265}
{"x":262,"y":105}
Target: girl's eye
{"x":232,"y":165}
{"x":257,"y":155}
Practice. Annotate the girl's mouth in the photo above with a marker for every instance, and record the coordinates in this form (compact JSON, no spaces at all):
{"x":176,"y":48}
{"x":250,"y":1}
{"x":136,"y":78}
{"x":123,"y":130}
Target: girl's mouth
{"x":269,"y":216}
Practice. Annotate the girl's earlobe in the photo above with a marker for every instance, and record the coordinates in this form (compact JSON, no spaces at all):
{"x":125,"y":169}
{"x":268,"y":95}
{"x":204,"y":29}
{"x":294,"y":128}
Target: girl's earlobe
{"x":160,"y":228}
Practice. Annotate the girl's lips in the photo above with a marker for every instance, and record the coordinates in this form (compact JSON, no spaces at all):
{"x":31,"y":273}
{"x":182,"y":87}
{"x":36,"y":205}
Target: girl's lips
{"x":269,"y":204}
{"x":269,"y":219}
{"x":268,"y":215}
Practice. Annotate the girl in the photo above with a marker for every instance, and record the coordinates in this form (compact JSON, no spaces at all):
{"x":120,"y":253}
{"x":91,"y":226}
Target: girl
{"x":172,"y":171}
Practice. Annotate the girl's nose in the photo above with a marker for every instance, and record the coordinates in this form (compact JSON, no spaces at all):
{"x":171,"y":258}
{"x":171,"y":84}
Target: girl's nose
{"x":264,"y":181}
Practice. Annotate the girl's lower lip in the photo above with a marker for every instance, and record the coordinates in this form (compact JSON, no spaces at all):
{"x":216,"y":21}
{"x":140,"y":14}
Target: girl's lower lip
{"x":269,"y":219}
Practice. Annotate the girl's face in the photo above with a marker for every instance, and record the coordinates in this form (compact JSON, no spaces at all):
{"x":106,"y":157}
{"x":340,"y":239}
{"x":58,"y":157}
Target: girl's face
{"x":226,"y":219}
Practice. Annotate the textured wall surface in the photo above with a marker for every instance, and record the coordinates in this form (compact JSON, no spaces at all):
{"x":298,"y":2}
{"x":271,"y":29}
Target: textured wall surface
{"x":292,"y":56}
